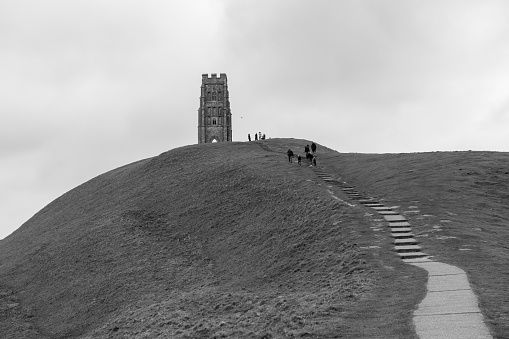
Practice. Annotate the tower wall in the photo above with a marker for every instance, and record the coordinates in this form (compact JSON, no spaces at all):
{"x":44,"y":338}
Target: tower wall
{"x":214,"y":114}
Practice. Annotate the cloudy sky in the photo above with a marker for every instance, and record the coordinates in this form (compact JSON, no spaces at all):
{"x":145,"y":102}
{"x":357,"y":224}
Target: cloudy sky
{"x":90,"y":85}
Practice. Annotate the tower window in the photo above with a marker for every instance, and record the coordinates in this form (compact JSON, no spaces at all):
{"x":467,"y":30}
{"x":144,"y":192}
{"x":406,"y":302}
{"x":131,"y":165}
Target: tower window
{"x":214,"y":121}
{"x":214,"y":96}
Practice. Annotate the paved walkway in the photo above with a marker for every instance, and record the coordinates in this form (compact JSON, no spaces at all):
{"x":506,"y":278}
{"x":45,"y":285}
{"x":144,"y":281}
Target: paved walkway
{"x":449,"y":309}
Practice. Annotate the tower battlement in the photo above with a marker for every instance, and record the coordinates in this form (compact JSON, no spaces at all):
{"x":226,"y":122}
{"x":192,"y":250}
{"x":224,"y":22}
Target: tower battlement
{"x":213,"y":76}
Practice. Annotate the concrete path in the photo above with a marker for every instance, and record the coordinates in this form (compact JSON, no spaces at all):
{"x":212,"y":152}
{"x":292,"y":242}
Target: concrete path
{"x":449,"y":309}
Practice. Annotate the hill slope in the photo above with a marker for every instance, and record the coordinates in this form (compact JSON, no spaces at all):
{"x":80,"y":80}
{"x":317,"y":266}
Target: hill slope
{"x":462,"y":200}
{"x":214,"y":240}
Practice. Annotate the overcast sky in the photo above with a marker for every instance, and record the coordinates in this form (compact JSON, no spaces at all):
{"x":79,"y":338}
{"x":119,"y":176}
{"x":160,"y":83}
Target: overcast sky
{"x":90,"y":85}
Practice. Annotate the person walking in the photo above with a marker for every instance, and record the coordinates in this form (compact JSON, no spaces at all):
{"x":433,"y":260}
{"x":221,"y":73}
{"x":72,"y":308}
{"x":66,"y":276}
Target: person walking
{"x":256,"y":137}
{"x":299,"y":159}
{"x":313,"y":147}
{"x":290,"y":155}
{"x":314,"y":160}
{"x":309,"y":156}
{"x":306,"y":149}
{"x":249,"y":137}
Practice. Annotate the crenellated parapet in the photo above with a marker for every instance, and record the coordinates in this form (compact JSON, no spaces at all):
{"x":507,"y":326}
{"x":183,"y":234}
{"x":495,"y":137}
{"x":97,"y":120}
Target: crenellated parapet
{"x":214,"y":76}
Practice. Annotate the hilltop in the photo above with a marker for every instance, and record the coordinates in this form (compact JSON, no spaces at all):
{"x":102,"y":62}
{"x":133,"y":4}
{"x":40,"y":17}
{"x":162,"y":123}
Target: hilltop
{"x":229,"y":240}
{"x":224,"y":240}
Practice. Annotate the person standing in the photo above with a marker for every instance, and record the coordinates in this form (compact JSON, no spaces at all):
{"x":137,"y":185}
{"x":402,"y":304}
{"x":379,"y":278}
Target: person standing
{"x":290,"y":155}
{"x":313,"y":147}
{"x":299,"y":159}
{"x":306,"y":149}
{"x":249,"y":137}
{"x":256,"y":137}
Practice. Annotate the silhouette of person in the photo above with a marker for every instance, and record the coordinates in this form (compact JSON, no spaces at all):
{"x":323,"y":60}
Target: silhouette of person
{"x":249,"y":137}
{"x":256,"y":136}
{"x":313,"y":147}
{"x":299,"y":159}
{"x":290,"y":155}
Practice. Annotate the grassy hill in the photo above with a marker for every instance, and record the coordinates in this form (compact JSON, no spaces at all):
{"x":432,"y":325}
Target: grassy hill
{"x":463,"y":200}
{"x":229,"y":240}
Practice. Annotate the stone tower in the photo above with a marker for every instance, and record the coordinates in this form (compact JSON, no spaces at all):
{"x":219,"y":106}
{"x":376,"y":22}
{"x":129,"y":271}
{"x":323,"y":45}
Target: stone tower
{"x":214,"y":116}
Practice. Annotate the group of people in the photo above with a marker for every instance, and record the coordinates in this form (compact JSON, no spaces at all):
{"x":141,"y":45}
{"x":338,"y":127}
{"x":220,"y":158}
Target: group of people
{"x":257,"y":136}
{"x":310,"y":155}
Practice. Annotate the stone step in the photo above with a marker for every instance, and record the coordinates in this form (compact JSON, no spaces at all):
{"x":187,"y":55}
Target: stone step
{"x":400,"y":229}
{"x":392,"y":218}
{"x":402,"y":235}
{"x":424,"y":259}
{"x":407,"y":248}
{"x":411,"y":255}
{"x":373,"y":204}
{"x":368,"y":201}
{"x":405,"y":241}
{"x":387,"y":212}
{"x":399,"y":224}
{"x":381,"y":208}
{"x":348,"y":188}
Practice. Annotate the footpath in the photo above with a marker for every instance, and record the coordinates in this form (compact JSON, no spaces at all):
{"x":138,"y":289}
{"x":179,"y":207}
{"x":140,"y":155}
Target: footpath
{"x":450,"y":309}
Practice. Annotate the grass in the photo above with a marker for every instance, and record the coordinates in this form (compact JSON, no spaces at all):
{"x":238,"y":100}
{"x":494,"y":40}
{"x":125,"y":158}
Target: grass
{"x":463,"y":216}
{"x":229,"y":240}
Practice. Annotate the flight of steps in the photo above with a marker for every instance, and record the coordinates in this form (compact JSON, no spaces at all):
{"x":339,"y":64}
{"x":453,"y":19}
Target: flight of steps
{"x":405,"y":245}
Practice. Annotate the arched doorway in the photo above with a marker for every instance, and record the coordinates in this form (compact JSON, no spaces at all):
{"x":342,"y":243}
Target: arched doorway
{"x":214,"y":138}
